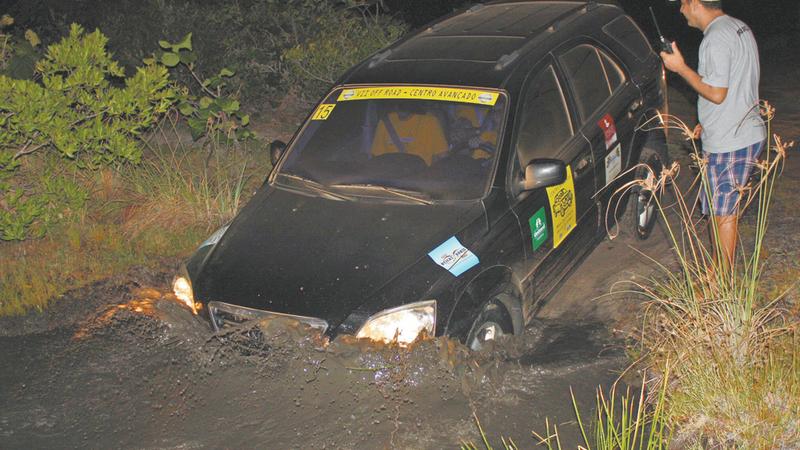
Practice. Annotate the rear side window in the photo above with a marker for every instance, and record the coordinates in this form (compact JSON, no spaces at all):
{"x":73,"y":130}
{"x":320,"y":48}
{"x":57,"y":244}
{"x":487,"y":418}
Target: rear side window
{"x":614,"y":73}
{"x":588,"y":78}
{"x":627,"y":33}
{"x":545,"y":126}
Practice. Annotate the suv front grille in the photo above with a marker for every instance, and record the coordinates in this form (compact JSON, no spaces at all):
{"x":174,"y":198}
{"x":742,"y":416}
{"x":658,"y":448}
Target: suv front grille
{"x":224,"y":314}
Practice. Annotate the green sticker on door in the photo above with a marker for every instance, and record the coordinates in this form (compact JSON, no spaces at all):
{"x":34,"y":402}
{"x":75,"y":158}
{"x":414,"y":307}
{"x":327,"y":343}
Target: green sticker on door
{"x":538,"y":223}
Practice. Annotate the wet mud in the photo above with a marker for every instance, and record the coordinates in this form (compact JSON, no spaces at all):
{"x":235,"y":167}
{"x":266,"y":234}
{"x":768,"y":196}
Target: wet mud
{"x":147,"y":374}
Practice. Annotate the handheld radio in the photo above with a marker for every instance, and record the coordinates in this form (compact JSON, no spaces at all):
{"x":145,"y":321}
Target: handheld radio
{"x":666,"y":44}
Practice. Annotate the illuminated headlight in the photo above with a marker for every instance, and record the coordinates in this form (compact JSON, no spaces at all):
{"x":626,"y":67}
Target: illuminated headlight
{"x":402,"y":324}
{"x":182,"y":288}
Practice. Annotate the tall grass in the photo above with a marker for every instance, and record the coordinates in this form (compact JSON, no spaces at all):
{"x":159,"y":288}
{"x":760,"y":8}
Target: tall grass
{"x":141,"y":214}
{"x":180,"y":185}
{"x":734,"y":374}
{"x":726,"y":354}
{"x":621,"y":422}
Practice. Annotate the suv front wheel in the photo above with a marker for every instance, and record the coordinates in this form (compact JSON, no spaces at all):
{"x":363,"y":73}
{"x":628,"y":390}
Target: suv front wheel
{"x":493,"y":322}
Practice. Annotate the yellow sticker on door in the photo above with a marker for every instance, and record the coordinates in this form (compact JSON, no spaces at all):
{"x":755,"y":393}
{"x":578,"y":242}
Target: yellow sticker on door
{"x":562,"y":208}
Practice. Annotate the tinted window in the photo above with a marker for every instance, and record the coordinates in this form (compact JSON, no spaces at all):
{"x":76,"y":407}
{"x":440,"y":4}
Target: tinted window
{"x":614,"y":73}
{"x":545,"y":125}
{"x":434,"y":142}
{"x":624,"y":30}
{"x":588,"y":78}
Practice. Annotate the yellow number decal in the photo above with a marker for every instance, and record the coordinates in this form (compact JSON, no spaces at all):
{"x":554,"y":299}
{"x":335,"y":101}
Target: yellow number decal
{"x":562,"y":208}
{"x":323,"y":111}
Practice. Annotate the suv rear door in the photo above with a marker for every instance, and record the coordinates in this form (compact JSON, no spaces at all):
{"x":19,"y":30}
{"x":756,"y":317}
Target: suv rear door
{"x":606,"y":101}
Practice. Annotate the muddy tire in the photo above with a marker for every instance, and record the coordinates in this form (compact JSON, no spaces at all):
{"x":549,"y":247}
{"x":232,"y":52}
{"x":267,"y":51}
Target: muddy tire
{"x":493,"y":322}
{"x":642,"y":212}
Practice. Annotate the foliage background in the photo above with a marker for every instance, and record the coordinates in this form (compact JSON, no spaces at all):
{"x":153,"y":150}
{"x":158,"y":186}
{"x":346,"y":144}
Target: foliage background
{"x":249,"y":37}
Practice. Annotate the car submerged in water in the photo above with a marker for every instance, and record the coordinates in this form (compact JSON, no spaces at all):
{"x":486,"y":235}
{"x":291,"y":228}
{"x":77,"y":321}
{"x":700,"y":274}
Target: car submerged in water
{"x":447,"y":184}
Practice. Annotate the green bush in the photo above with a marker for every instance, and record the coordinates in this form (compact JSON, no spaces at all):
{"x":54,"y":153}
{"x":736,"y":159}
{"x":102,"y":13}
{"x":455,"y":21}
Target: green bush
{"x":215,"y":114}
{"x":77,"y":112}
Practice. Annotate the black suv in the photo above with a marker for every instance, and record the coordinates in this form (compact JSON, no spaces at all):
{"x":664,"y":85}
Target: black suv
{"x":448,"y":183}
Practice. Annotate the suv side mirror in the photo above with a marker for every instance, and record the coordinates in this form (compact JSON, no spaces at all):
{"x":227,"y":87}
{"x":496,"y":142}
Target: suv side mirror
{"x":544,"y":172}
{"x":276,"y":149}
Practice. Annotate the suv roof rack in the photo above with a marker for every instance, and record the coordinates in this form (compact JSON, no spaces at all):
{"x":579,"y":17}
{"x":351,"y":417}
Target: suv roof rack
{"x":507,"y":59}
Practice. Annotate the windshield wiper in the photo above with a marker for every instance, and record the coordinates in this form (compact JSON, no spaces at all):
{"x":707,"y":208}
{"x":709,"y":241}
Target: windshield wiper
{"x":317,"y":187}
{"x":417,"y":197}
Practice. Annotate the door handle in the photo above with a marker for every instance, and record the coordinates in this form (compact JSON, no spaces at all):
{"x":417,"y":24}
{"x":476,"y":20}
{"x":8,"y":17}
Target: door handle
{"x":635,"y":105}
{"x":582,"y":165}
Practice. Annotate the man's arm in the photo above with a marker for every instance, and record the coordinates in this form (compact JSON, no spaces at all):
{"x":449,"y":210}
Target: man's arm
{"x":675,"y":63}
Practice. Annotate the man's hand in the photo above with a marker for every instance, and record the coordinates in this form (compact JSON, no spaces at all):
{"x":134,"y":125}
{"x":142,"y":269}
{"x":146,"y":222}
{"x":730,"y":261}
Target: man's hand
{"x":697,"y":132}
{"x":674,"y":61}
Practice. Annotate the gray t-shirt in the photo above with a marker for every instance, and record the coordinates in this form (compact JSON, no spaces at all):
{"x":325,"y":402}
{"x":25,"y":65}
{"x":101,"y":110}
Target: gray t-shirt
{"x":729,"y":59}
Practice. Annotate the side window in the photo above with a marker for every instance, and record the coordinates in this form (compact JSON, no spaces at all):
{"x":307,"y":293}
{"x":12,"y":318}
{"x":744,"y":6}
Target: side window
{"x":625,"y":31}
{"x":588,"y":78}
{"x":545,"y":124}
{"x":614,"y":73}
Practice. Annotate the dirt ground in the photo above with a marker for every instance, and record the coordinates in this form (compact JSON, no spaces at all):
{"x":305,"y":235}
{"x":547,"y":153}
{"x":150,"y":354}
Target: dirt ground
{"x":118,"y":365}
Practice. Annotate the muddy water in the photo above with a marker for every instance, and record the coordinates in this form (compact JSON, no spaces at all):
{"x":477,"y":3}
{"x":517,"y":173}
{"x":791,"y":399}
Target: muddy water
{"x":121,"y":365}
{"x":149,"y":375}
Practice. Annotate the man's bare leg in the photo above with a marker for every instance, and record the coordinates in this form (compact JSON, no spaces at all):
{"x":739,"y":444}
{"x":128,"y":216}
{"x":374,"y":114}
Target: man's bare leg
{"x":728,"y":231}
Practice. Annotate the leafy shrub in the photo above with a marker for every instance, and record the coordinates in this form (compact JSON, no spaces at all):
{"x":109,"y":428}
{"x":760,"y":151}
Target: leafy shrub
{"x":77,"y":112}
{"x":216,"y":113}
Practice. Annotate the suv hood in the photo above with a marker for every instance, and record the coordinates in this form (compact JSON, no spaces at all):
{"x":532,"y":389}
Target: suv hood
{"x":290,"y":253}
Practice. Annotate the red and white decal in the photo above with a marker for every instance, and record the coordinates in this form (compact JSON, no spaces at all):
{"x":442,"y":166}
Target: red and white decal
{"x":609,"y":130}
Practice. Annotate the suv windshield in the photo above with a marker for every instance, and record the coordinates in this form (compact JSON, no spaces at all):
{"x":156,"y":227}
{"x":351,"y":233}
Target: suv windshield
{"x":404,"y":142}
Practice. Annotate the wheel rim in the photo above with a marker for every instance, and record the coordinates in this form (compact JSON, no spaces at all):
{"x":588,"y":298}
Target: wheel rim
{"x":646,"y":202}
{"x":645,"y":210}
{"x":488,"y":331}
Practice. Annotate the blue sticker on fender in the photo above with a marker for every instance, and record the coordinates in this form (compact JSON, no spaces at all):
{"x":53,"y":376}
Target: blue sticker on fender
{"x":454,"y":257}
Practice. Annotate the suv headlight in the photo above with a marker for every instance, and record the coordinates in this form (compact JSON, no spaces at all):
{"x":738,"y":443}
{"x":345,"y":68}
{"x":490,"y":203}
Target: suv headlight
{"x":182,"y":288}
{"x":402,"y":324}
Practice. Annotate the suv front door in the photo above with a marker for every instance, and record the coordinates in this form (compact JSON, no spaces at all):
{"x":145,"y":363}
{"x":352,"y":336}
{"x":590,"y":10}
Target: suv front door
{"x":557,"y":222}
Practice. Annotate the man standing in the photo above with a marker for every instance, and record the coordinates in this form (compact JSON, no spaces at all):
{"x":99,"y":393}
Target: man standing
{"x":730,"y":127}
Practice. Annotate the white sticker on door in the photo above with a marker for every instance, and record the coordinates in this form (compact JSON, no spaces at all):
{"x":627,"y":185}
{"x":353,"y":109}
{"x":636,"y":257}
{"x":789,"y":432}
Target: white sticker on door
{"x":613,"y":164}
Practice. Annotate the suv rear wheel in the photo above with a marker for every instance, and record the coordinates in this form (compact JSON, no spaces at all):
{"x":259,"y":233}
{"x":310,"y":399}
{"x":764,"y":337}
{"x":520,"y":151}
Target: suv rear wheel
{"x":642,"y":212}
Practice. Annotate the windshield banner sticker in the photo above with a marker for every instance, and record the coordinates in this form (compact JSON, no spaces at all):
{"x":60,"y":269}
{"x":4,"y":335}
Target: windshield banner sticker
{"x":454,"y":257}
{"x":475,"y":96}
{"x":562,"y":207}
{"x":323,"y":111}
{"x":613,"y":163}
{"x":609,"y":130}
{"x":538,"y":224}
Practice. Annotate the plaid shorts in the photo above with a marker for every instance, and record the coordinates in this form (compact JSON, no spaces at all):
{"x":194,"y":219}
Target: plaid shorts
{"x":726,"y":172}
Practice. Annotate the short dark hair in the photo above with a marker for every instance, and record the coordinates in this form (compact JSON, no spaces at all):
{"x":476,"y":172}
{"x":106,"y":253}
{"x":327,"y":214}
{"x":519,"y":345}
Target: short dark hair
{"x":712,"y":4}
